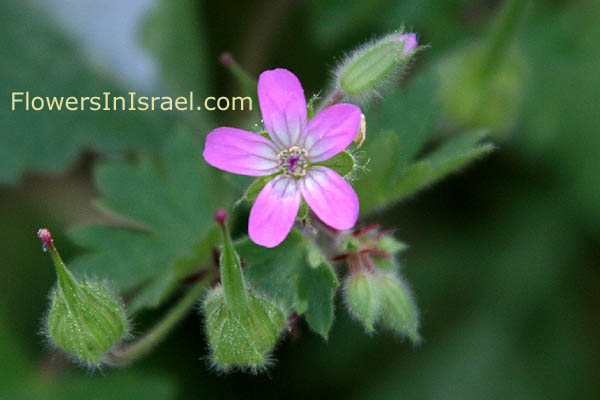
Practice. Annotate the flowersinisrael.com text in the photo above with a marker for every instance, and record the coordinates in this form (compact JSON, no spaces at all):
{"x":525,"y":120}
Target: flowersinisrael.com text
{"x":132,"y":102}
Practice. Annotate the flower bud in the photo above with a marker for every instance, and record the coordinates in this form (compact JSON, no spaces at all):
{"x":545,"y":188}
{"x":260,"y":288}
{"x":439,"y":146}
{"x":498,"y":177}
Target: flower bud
{"x":362,"y":299}
{"x":398,"y":309}
{"x":477,"y":98}
{"x":86,"y":319}
{"x":242,"y":326}
{"x":372,"y":66}
{"x":242,"y":338}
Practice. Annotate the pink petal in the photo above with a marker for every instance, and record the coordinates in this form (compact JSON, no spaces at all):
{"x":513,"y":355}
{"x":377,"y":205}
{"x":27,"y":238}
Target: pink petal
{"x":331,"y":131}
{"x":274,"y":211}
{"x":241,"y":152}
{"x":410,"y":42}
{"x":330,"y":197}
{"x":283,"y":106}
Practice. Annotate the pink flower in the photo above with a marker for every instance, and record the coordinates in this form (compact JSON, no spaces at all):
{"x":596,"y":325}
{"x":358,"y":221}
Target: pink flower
{"x":410,"y":42}
{"x":292,"y":155}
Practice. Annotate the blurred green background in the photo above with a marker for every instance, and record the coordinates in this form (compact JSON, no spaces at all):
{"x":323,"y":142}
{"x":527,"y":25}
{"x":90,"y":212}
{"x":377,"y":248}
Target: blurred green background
{"x":504,"y":258}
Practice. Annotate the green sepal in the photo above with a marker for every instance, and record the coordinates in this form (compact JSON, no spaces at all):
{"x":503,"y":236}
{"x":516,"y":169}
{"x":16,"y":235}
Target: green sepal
{"x":343,"y":163}
{"x":310,"y":106}
{"x":256,"y":186}
{"x":303,"y":210}
{"x":390,"y":245}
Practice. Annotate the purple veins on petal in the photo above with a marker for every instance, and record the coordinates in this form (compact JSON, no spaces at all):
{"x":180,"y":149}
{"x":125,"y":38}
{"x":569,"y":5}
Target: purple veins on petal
{"x":283,"y":106}
{"x":332,"y":198}
{"x":331,"y":131}
{"x":241,"y":152}
{"x":274,"y":211}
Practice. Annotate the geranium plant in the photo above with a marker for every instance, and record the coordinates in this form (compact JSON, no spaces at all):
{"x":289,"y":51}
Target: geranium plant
{"x":318,"y":177}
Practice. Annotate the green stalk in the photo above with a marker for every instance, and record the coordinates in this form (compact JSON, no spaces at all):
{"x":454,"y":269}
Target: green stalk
{"x":146,"y":343}
{"x":503,"y":32}
{"x":232,"y":279}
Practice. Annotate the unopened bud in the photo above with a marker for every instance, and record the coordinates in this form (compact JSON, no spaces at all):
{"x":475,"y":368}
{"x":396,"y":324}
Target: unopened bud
{"x":362,"y":299}
{"x":221,"y":216}
{"x":399,"y":311}
{"x":86,"y":319}
{"x":410,"y":42}
{"x":242,"y":326}
{"x":369,"y":68}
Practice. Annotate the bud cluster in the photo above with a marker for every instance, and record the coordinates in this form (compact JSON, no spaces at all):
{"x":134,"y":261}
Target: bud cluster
{"x":373,"y":291}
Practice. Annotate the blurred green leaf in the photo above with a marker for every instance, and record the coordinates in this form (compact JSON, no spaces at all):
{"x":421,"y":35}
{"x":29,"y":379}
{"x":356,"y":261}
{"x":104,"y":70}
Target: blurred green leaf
{"x":171,"y":207}
{"x":36,"y":57}
{"x":448,"y":158}
{"x":22,"y":381}
{"x":175,"y":34}
{"x":314,"y":296}
{"x":411,"y":113}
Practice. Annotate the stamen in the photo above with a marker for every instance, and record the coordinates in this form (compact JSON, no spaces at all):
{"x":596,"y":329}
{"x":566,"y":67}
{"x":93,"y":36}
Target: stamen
{"x":293,"y":161}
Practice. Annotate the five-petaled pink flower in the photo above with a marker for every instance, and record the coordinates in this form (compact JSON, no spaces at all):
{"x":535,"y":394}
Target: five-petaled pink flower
{"x":293,"y":154}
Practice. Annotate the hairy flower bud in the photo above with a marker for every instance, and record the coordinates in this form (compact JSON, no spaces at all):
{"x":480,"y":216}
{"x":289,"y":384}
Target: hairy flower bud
{"x":86,"y":319}
{"x":369,"y":68}
{"x":242,"y":326}
{"x":362,"y":299}
{"x":398,"y":309}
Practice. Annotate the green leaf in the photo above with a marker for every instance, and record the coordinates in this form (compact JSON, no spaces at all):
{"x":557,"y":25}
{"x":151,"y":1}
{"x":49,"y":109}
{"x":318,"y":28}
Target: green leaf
{"x":448,"y":158}
{"x":169,"y":203}
{"x":394,"y":185}
{"x":50,"y":141}
{"x":294,"y":274}
{"x":314,"y":296}
{"x":274,"y":272}
{"x":343,"y":163}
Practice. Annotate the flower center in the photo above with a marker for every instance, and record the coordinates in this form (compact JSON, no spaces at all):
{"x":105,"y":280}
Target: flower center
{"x":293,"y":161}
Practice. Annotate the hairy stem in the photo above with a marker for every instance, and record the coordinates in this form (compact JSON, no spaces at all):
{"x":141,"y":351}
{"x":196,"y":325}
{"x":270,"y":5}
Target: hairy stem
{"x":334,"y":98}
{"x":139,"y":348}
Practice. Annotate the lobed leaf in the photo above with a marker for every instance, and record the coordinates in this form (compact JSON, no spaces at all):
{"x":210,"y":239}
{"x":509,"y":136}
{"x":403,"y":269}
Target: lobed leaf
{"x":169,"y":203}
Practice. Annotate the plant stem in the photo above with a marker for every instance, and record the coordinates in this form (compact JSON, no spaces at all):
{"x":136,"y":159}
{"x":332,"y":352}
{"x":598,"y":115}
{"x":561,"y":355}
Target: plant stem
{"x":146,"y":343}
{"x":232,"y":278}
{"x":503,"y":31}
{"x":334,"y":98}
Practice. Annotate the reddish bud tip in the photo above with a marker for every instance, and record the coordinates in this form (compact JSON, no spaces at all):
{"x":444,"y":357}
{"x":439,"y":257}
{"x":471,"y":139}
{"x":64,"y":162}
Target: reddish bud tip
{"x":410,"y":42}
{"x":45,"y":236}
{"x":225,"y":59}
{"x":221,"y":216}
